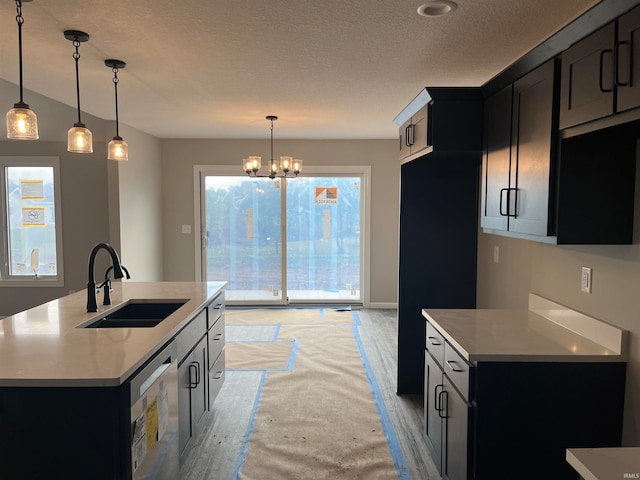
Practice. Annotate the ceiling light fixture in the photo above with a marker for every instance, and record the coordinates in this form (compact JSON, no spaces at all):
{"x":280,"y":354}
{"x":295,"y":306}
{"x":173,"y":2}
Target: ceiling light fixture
{"x":117,"y":148}
{"x":437,"y":8}
{"x":22,"y":123}
{"x":79,"y":138}
{"x":287,"y":164}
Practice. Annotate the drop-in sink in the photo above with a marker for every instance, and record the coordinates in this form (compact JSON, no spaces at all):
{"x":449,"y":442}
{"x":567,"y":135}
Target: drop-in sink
{"x":138,"y":313}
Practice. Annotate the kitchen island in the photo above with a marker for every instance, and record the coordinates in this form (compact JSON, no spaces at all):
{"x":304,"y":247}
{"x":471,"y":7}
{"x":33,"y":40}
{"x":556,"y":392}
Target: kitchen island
{"x":508,"y":391}
{"x":67,"y":392}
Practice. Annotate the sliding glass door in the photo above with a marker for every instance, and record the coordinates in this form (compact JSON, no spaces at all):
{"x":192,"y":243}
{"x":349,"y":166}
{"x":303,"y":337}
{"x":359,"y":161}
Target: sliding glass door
{"x":292,"y":241}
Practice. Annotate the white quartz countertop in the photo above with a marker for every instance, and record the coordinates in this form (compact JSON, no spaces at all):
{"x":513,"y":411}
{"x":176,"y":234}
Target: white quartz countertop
{"x":605,"y":463}
{"x":515,"y":335}
{"x":43,"y":346}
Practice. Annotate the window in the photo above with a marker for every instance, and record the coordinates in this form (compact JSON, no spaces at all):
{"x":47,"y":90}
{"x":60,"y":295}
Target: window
{"x":30,"y":218}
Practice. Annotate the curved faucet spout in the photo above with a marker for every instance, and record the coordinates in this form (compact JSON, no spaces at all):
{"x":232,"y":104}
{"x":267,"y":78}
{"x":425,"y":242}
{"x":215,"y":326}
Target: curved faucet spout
{"x":92,"y":304}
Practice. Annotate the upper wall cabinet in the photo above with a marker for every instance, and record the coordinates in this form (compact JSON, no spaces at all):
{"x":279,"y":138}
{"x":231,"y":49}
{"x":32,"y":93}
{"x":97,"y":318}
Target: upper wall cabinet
{"x":598,"y":73}
{"x":519,"y":156}
{"x":440,"y":119}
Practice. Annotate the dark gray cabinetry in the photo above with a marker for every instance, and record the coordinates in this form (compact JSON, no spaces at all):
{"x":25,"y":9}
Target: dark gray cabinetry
{"x":486,"y":420}
{"x":599,"y":73}
{"x":200,"y":370}
{"x":215,"y":350}
{"x":438,"y":226}
{"x":413,"y":134}
{"x":520,"y":154}
{"x":447,"y":411}
{"x":192,"y":380}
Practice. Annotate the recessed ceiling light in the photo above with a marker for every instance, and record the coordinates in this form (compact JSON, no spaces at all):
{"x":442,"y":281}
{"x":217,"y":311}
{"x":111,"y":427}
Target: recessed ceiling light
{"x":437,"y":8}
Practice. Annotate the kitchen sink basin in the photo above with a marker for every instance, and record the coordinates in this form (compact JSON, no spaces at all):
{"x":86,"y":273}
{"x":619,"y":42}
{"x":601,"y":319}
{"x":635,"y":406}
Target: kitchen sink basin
{"x":138,"y":313}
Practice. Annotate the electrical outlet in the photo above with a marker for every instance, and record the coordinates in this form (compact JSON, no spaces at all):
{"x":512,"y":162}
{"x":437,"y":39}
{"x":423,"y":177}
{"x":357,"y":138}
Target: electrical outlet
{"x":586,"y":280}
{"x":186,"y":229}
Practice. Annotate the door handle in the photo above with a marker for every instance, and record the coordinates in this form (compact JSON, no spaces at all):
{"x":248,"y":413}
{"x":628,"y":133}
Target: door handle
{"x":443,"y":394}
{"x":502,"y":190}
{"x":194,"y":367}
{"x":436,"y":404}
{"x":601,"y":72}
{"x":618,"y":82}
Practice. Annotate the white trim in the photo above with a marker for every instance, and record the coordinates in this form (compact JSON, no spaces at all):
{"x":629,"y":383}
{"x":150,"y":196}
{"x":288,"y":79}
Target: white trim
{"x":34,"y":161}
{"x":200,"y":171}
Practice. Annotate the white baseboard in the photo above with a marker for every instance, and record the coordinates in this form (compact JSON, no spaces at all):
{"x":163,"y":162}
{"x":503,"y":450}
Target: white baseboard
{"x":383,"y":305}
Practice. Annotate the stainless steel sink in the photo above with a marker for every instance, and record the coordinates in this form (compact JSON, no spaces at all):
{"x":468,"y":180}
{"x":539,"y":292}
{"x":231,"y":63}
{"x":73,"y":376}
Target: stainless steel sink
{"x":138,"y":313}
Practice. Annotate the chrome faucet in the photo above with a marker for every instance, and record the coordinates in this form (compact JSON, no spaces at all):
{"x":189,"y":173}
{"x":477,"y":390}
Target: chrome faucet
{"x":92,"y":304}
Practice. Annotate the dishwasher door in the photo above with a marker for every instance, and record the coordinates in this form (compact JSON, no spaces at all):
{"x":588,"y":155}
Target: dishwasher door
{"x":154,"y":418}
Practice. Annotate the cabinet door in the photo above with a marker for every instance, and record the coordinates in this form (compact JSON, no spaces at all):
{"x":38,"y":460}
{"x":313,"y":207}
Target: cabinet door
{"x":532,"y":150}
{"x":184,"y":404}
{"x":457,"y":413}
{"x":419,"y":135}
{"x":432,"y":408}
{"x":405,"y":137}
{"x":587,"y":78}
{"x":199,"y":393}
{"x":495,"y":160}
{"x":628,"y":65}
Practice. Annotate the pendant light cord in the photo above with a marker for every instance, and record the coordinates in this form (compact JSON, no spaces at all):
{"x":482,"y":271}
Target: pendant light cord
{"x":271,"y":144}
{"x":76,"y":56}
{"x":20,"y":20}
{"x":115,"y":87}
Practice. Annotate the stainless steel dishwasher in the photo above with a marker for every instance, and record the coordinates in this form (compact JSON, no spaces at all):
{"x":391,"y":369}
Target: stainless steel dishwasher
{"x":154,"y":418}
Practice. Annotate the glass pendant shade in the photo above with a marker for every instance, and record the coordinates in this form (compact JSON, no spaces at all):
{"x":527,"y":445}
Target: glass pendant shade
{"x":79,"y":139}
{"x":22,"y":123}
{"x":118,"y":150}
{"x":252,"y":164}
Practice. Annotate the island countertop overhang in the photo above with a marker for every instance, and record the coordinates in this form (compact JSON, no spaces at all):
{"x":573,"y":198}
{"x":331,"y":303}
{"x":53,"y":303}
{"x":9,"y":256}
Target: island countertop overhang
{"x":45,"y":345}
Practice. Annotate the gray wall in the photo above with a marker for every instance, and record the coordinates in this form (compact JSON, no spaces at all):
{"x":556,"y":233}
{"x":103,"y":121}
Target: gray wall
{"x":179,"y":157}
{"x":93,"y":191}
{"x":554,"y":272}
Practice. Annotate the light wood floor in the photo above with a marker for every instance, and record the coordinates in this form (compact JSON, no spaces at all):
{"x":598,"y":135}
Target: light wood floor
{"x":219,"y":447}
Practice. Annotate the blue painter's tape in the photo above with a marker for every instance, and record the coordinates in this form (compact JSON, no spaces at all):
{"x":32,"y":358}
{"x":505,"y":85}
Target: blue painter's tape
{"x":247,"y":436}
{"x":293,"y":356}
{"x":385,"y":420}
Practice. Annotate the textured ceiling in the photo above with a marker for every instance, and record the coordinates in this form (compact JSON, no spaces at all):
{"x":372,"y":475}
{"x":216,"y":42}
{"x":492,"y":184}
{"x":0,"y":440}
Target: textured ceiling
{"x":215,"y":69}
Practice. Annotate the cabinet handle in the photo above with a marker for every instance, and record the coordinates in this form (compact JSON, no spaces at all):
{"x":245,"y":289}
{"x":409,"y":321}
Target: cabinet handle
{"x":218,"y":374}
{"x":194,"y":367}
{"x":618,"y":82}
{"x":436,"y":405}
{"x":454,"y":366}
{"x":434,"y":341}
{"x":442,"y":409}
{"x":502,"y":190}
{"x":601,"y":73}
{"x":217,"y":336}
{"x":218,"y":306}
{"x":409,"y":135}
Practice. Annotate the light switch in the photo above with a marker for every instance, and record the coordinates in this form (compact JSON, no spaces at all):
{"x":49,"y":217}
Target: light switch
{"x":186,"y":229}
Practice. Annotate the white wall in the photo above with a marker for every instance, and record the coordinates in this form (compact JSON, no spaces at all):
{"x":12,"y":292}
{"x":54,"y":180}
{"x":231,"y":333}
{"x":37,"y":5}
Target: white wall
{"x":554,"y":272}
{"x":179,"y":157}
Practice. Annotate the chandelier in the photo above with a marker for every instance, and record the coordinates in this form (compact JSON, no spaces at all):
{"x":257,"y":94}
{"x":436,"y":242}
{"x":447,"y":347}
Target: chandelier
{"x":277,"y":168}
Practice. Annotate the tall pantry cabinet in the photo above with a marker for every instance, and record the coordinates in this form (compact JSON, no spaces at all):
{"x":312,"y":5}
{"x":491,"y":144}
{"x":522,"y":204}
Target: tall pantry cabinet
{"x":438,"y":219}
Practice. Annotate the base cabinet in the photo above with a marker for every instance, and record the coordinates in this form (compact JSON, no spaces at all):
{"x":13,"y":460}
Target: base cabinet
{"x":507,"y":419}
{"x":200,"y":370}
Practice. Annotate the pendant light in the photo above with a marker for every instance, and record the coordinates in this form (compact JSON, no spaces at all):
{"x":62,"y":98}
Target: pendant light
{"x":117,"y":148}
{"x":22,"y":123}
{"x":79,"y":136}
{"x":252,"y":164}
